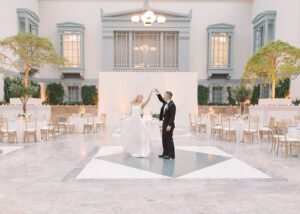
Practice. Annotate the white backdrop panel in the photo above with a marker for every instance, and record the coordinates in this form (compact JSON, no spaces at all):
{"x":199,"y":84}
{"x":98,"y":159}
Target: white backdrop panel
{"x":118,"y":89}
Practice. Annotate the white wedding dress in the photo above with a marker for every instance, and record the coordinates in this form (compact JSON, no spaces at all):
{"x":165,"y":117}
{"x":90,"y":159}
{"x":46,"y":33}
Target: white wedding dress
{"x":134,"y":137}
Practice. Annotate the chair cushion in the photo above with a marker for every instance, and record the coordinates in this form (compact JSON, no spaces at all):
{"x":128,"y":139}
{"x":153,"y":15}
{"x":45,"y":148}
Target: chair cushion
{"x":250,"y":130}
{"x":289,"y":139}
{"x":217,"y":127}
{"x":227,"y":129}
{"x":264,"y":129}
{"x":9,"y":130}
{"x":31,"y":130}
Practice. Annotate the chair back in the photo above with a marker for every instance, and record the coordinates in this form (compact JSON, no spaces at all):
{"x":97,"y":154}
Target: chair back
{"x":214,"y":120}
{"x":281,"y":130}
{"x":225,"y":121}
{"x":11,"y":124}
{"x":288,"y":122}
{"x":191,"y":119}
{"x":103,"y":117}
{"x":253,"y":122}
{"x":2,"y":123}
{"x":272,"y":122}
{"x":30,"y":123}
{"x":297,"y":120}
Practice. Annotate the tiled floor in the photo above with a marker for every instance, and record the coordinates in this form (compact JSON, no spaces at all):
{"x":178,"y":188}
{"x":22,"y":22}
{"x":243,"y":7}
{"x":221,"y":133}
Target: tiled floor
{"x":89,"y":174}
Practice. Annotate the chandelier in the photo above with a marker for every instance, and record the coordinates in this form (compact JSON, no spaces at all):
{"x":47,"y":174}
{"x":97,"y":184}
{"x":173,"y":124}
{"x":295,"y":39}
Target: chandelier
{"x":148,"y":18}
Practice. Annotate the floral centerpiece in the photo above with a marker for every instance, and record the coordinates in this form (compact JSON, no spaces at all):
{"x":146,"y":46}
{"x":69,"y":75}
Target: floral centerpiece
{"x":82,"y":112}
{"x":24,"y":116}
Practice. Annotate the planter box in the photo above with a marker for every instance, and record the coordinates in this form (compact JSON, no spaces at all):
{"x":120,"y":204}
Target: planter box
{"x":275,"y":102}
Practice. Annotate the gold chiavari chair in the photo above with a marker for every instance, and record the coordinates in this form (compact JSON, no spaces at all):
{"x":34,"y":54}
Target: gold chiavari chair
{"x":10,"y":131}
{"x":61,"y":123}
{"x":30,"y":129}
{"x":215,"y":127}
{"x":2,"y":127}
{"x":297,"y":120}
{"x":102,"y":122}
{"x":267,"y":130}
{"x":287,"y":122}
{"x":227,"y":129}
{"x":200,"y":124}
{"x":49,"y":129}
{"x":192,"y":120}
{"x":89,"y":126}
{"x":284,"y":140}
{"x":69,"y":127}
{"x":252,"y":129}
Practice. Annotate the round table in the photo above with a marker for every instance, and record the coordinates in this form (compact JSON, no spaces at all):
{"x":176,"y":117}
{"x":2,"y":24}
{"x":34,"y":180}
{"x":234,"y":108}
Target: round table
{"x":294,"y":132}
{"x":80,"y":121}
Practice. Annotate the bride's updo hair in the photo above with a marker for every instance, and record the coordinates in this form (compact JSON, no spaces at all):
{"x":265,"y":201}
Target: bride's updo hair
{"x":136,"y":98}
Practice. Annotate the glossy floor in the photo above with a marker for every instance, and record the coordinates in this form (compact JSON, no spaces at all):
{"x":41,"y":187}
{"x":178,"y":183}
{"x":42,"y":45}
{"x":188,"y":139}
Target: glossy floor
{"x":89,"y":174}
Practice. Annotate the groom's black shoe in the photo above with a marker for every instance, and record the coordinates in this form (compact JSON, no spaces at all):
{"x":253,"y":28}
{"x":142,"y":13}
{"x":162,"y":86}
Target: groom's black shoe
{"x":168,"y":157}
{"x":161,"y":156}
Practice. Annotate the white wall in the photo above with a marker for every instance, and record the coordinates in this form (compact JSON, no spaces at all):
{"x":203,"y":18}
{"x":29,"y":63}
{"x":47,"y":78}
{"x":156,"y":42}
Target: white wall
{"x":204,"y":13}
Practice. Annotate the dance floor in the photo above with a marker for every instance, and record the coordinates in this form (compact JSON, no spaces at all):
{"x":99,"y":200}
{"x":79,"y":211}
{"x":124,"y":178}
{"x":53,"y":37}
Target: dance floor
{"x":190,"y":162}
{"x":79,"y":173}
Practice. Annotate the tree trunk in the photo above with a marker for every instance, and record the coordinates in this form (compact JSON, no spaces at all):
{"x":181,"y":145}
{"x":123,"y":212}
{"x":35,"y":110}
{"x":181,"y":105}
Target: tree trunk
{"x":242,"y":105}
{"x":26,"y":78}
{"x":24,"y":102}
{"x":273,"y":88}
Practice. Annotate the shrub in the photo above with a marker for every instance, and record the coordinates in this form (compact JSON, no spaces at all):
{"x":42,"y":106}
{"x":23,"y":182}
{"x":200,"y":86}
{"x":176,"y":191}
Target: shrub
{"x":231,"y":101}
{"x":88,"y":94}
{"x":282,"y":88}
{"x":241,"y":94}
{"x":203,"y":95}
{"x":255,"y":95}
{"x":8,"y":82}
{"x":55,"y":93}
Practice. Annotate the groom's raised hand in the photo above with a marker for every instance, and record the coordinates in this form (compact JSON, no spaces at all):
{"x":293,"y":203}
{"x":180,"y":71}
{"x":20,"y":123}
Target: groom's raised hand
{"x":157,"y":91}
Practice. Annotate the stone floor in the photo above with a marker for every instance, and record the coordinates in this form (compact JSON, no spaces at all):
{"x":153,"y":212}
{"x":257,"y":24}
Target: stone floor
{"x":54,"y":177}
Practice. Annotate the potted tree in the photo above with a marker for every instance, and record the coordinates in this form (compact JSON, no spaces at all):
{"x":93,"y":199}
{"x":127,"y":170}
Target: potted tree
{"x":273,"y":63}
{"x":27,"y":53}
{"x":241,"y":95}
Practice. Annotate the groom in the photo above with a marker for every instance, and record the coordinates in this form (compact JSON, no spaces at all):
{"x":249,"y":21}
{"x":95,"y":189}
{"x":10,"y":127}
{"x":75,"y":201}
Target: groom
{"x":167,"y":115}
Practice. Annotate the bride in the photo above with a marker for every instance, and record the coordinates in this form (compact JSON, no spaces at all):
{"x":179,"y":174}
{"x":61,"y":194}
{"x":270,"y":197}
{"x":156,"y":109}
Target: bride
{"x":134,"y":137}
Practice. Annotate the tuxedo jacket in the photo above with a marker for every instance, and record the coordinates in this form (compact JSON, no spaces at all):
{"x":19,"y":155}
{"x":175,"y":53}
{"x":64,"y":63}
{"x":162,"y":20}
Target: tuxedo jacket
{"x":168,"y":116}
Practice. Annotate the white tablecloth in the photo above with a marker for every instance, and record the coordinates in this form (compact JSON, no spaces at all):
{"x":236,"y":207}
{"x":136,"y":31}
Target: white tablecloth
{"x":294,"y":132}
{"x":20,"y":126}
{"x":80,"y":121}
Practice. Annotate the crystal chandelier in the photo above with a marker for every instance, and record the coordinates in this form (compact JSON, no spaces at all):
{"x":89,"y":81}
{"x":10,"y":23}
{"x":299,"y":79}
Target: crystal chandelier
{"x":148,"y":18}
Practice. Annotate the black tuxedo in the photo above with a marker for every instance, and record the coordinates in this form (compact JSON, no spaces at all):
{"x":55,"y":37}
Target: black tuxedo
{"x":167,"y":115}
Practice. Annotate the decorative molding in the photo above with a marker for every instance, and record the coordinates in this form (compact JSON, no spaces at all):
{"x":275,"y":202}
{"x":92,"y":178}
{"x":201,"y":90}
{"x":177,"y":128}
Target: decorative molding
{"x":261,"y":17}
{"x":30,"y":20}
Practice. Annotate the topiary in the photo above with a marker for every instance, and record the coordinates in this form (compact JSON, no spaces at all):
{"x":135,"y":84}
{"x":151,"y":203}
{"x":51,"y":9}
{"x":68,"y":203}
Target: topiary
{"x":55,"y":93}
{"x":203,"y":95}
{"x":88,"y":94}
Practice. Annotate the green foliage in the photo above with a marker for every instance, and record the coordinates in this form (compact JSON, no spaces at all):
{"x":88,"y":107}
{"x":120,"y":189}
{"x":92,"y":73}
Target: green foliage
{"x":55,"y":93}
{"x":241,"y":94}
{"x":282,"y":88}
{"x":203,"y":95}
{"x":8,"y":82}
{"x":296,"y":102}
{"x":21,"y":91}
{"x":231,"y":101}
{"x":37,"y":94}
{"x":273,"y":63}
{"x":88,"y":94}
{"x":255,"y":95}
